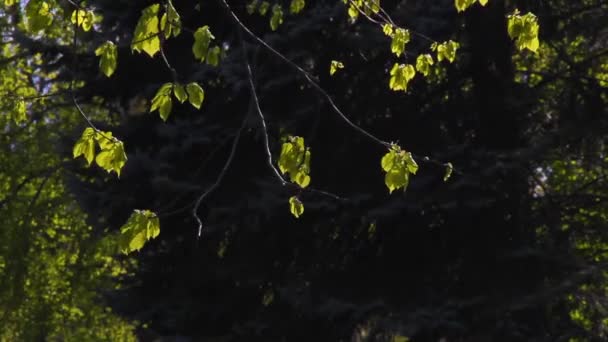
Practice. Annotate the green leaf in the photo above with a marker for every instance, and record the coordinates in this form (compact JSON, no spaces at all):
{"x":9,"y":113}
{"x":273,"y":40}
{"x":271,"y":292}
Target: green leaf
{"x":83,"y":18}
{"x":202,"y":39}
{"x":20,"y":115}
{"x":295,"y":160}
{"x":400,"y":38}
{"x":483,"y":2}
{"x":446,"y":50}
{"x":423,"y":64}
{"x":108,"y":58}
{"x":162,"y":101}
{"x":264,"y":7}
{"x":296,"y":6}
{"x":112,"y":156}
{"x":146,"y":36}
{"x":295,"y":206}
{"x":252,"y":6}
{"x":277,"y":17}
{"x":142,"y":225}
{"x":213,"y":56}
{"x":196,"y":94}
{"x":462,"y":5}
{"x":524,"y":30}
{"x":449,"y":168}
{"x":335,"y":65}
{"x":38,"y":15}
{"x":388,"y":29}
{"x":170,"y":22}
{"x":398,"y":165}
{"x":401,"y":74}
{"x":85,"y":146}
{"x":180,"y":92}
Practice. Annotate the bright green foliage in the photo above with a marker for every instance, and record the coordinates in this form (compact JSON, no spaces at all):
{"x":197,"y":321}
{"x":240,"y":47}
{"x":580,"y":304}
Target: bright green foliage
{"x":108,"y":58}
{"x":401,"y":75}
{"x":366,"y":6}
{"x":9,"y":3}
{"x":85,"y":146}
{"x":213,"y":56}
{"x":296,"y":6}
{"x":462,"y":5}
{"x":446,"y":50}
{"x":277,"y":17}
{"x":423,"y":64}
{"x":38,"y":14}
{"x":295,"y":206}
{"x":20,"y":115}
{"x":202,"y":39}
{"x":146,"y":36}
{"x":170,"y":22}
{"x":400,"y":38}
{"x":112,"y":156}
{"x":142,"y":225}
{"x":524,"y":30}
{"x":162,"y":101}
{"x":295,"y":160}
{"x":180,"y":92}
{"x":196,"y":94}
{"x":398,"y":165}
{"x":388,"y":29}
{"x":83,"y":18}
{"x":264,"y":7}
{"x":335,"y":65}
{"x":449,"y":168}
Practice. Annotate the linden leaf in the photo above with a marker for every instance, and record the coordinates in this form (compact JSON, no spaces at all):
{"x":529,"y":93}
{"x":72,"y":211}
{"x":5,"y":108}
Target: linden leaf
{"x":423,"y":64}
{"x":142,"y":225}
{"x":196,"y":94}
{"x":180,"y":92}
{"x":112,"y":158}
{"x":145,"y":37}
{"x":398,"y":165}
{"x":524,"y":30}
{"x":295,"y":206}
{"x":202,"y":39}
{"x":400,"y":38}
{"x":83,"y":18}
{"x":295,"y":160}
{"x":162,"y":101}
{"x":20,"y":115}
{"x":108,"y":58}
{"x":462,"y":5}
{"x":85,"y":146}
{"x":213,"y":56}
{"x":335,"y":65}
{"x":446,"y":50}
{"x":401,"y":74}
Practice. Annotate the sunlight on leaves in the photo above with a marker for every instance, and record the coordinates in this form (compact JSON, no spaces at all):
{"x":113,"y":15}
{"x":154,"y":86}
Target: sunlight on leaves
{"x":401,"y":75}
{"x":334,"y":66}
{"x":398,"y":165}
{"x":295,"y":160}
{"x":524,"y":30}
{"x":142,"y":226}
{"x":295,"y":206}
{"x":145,"y":37}
{"x":108,"y":58}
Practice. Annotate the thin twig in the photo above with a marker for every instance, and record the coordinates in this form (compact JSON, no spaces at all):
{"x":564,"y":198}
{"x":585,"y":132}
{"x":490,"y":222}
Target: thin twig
{"x":219,"y":177}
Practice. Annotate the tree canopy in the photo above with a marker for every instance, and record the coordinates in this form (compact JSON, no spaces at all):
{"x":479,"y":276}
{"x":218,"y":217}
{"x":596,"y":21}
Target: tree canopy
{"x":357,"y":170}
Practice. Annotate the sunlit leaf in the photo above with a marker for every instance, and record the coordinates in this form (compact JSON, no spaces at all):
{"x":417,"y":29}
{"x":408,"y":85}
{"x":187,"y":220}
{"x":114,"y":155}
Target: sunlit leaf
{"x":449,"y":168}
{"x":295,"y":206}
{"x":295,"y":160}
{"x":400,"y":38}
{"x":108,"y":58}
{"x":83,"y":18}
{"x":524,"y":30}
{"x":180,"y":92}
{"x":142,"y":225}
{"x":202,"y":39}
{"x":423,"y":64}
{"x":145,"y":37}
{"x":196,"y":94}
{"x":38,"y":14}
{"x":296,"y":6}
{"x":277,"y":17}
{"x":85,"y":146}
{"x":335,"y":65}
{"x":113,"y":156}
{"x":401,"y":74}
{"x":162,"y":101}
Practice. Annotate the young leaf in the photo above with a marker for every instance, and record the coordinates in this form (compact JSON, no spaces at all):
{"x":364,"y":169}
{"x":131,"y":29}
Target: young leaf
{"x":85,"y":146}
{"x":145,"y":37}
{"x":108,"y":58}
{"x":112,"y":156}
{"x":423,"y":64}
{"x":180,"y":92}
{"x":295,"y":160}
{"x":446,"y":50}
{"x":170,"y":22}
{"x":524,"y":30}
{"x":83,"y":18}
{"x":252,"y":6}
{"x":295,"y":206}
{"x":202,"y":39}
{"x":398,"y":165}
{"x":213,"y":56}
{"x":401,"y":74}
{"x":388,"y":29}
{"x":142,"y":225}
{"x":462,"y":5}
{"x":277,"y":17}
{"x":162,"y":101}
{"x":335,"y":65}
{"x":38,"y":15}
{"x":196,"y":94}
{"x":400,"y":38}
{"x":296,"y":6}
